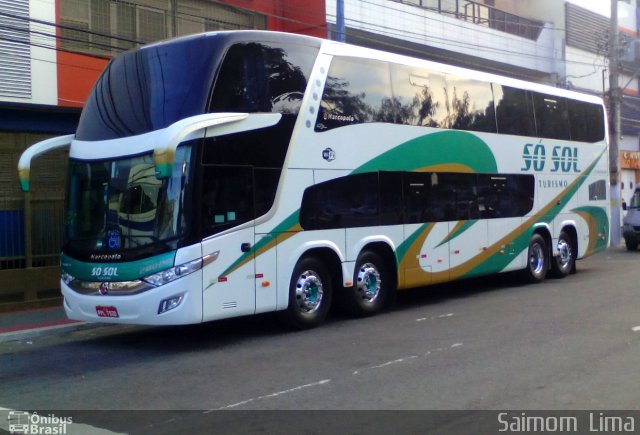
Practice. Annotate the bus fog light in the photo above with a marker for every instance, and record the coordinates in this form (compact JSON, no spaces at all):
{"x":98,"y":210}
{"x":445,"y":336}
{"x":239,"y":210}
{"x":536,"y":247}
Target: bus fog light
{"x":170,"y":303}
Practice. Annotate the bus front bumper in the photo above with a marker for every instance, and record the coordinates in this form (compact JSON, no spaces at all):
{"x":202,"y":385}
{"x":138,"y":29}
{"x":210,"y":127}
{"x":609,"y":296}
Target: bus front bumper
{"x":175,"y":303}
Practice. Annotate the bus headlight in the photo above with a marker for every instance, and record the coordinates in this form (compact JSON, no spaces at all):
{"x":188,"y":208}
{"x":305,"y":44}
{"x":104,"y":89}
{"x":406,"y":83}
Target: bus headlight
{"x":66,"y":278}
{"x":173,"y":273}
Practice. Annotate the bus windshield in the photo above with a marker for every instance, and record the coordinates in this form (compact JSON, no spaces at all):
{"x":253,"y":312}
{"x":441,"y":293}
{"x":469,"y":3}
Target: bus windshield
{"x":635,"y":200}
{"x":118,"y":209}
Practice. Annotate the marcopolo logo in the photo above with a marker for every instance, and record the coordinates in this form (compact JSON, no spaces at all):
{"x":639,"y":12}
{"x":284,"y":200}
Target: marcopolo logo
{"x":563,"y":158}
{"x":22,"y":422}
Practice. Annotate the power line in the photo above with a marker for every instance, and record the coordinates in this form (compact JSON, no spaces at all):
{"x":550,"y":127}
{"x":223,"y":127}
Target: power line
{"x":426,"y":39}
{"x":65,"y":27}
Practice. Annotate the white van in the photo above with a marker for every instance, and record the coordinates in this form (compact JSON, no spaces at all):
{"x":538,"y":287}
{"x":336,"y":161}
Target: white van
{"x":631,"y":221}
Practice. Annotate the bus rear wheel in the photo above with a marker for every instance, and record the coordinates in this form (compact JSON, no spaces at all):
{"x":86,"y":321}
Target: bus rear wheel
{"x":370,"y":288}
{"x":563,"y":263}
{"x":537,"y":260}
{"x":310,"y":294}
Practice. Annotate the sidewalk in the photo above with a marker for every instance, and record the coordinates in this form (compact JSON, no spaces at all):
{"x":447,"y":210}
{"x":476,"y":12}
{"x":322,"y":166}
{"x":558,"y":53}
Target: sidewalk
{"x":30,"y":323}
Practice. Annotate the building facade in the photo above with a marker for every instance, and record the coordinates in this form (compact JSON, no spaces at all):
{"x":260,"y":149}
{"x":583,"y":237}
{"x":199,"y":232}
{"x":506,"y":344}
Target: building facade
{"x":52,"y":51}
{"x":563,"y":43}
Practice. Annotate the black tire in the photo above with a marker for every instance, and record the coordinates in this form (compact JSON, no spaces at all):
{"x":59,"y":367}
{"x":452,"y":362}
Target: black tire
{"x":537,"y":260}
{"x":310,"y":293}
{"x":371,"y":286}
{"x":631,"y":245}
{"x":564,"y":263}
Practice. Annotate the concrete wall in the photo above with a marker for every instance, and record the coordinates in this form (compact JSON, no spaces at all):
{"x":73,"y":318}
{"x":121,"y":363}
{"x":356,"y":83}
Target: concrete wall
{"x":422,"y":26}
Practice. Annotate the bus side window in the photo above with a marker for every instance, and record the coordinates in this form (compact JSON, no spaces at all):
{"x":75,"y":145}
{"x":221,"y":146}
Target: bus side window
{"x":514,"y":111}
{"x":357,"y":91}
{"x":471,"y":103}
{"x":256,"y":77}
{"x":420,"y":96}
{"x":552,"y":116}
{"x":345,"y":202}
{"x":227,"y":197}
{"x":598,"y":190}
{"x":418,"y":198}
{"x":504,"y":196}
{"x":391,"y":198}
{"x":586,"y":121}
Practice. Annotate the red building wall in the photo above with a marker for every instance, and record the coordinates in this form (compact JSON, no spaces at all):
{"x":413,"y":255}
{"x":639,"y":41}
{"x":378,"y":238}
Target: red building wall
{"x":77,"y":72}
{"x":307,"y":17}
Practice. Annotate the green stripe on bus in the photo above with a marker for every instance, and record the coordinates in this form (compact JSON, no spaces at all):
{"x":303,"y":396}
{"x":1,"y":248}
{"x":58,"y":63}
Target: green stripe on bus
{"x":598,"y":223}
{"x":290,"y":225}
{"x":126,"y":271}
{"x":519,"y":238}
{"x":435,"y":149}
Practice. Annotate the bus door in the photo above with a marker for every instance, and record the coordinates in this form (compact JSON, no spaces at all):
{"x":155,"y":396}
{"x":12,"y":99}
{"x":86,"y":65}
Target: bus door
{"x":228,"y":214}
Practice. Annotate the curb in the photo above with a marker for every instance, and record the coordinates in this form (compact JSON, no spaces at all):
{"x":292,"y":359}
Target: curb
{"x":25,"y":334}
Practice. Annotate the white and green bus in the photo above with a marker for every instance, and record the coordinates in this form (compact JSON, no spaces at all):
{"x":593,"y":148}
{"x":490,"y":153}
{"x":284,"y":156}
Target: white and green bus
{"x":234,"y":173}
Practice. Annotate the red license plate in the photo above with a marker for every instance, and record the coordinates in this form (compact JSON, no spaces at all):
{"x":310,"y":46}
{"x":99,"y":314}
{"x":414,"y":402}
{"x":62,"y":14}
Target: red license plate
{"x":107,"y":312}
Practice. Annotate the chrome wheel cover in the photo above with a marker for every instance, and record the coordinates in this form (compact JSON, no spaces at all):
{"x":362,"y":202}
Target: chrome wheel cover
{"x":536,"y":259}
{"x":368,"y":283}
{"x":309,"y":292}
{"x":564,"y":253}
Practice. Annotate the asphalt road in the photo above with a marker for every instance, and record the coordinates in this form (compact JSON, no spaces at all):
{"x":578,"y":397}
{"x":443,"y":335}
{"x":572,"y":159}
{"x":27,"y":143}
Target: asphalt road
{"x":489,"y":344}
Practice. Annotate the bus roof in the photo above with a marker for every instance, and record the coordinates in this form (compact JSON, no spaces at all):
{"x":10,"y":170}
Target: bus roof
{"x":342,"y":49}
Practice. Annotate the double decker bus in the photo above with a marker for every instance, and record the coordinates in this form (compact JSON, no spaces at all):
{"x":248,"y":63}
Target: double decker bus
{"x":234,"y":173}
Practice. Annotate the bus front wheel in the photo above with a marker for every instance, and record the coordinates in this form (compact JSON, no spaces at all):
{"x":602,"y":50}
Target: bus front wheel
{"x":537,"y":260}
{"x":310,"y":294}
{"x":369,"y":291}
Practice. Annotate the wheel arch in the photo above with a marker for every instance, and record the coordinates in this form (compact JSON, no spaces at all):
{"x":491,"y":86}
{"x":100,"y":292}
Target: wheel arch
{"x":545,"y":231}
{"x":569,"y":227}
{"x":386,"y":251}
{"x":327,"y":252}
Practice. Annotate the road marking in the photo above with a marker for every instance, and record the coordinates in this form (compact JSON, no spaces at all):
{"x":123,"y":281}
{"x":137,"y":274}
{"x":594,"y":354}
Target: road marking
{"x":395,"y":361}
{"x":272,"y":395}
{"x":636,"y":329}
{"x":407,"y":358}
{"x":48,"y":423}
{"x":441,"y":316}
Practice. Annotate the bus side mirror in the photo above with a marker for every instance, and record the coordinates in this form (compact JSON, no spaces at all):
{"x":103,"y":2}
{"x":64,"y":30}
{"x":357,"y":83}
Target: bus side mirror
{"x":624,"y":206}
{"x":24,"y":164}
{"x":207,"y":125}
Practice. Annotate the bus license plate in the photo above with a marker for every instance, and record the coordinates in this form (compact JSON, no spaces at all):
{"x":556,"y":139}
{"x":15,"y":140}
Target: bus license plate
{"x":107,"y":311}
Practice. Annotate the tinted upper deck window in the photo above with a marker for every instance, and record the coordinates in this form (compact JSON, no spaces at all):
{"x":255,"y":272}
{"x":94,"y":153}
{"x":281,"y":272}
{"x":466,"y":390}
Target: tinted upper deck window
{"x":552,"y":116}
{"x":263,"y":77}
{"x":150,"y":88}
{"x":514,"y":111}
{"x":357,"y":91}
{"x":587,"y":121}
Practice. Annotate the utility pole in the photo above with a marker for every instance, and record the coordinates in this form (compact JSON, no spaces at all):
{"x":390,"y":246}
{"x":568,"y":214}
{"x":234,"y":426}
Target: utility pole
{"x":340,"y":29}
{"x":614,"y":124}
